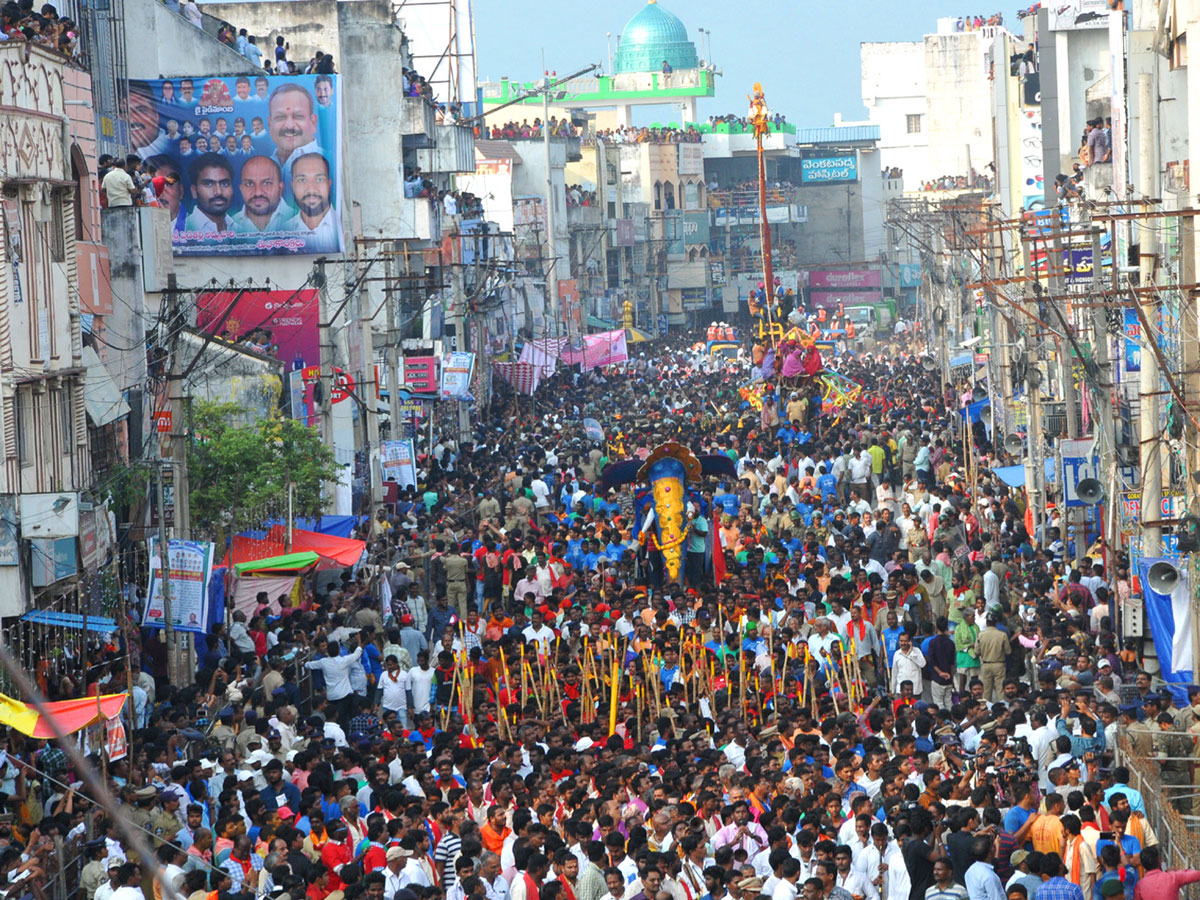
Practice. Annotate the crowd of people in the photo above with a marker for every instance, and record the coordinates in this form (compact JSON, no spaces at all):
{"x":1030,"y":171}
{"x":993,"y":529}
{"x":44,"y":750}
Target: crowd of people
{"x":777,"y":121}
{"x":524,"y":130}
{"x":577,"y":195}
{"x":976,"y":181}
{"x":875,"y":681}
{"x":20,"y":22}
{"x":975,"y":22}
{"x":659,"y":134}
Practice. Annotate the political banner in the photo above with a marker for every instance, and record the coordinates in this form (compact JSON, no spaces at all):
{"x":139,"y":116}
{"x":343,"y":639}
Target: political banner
{"x":398,"y":462}
{"x":190,"y":570}
{"x":256,"y":162}
{"x":457,"y":368}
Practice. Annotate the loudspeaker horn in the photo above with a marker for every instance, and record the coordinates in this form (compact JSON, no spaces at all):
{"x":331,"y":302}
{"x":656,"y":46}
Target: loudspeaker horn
{"x":929,"y":364}
{"x":1163,"y":577}
{"x":1090,"y":491}
{"x":979,"y":392}
{"x":1014,"y":444}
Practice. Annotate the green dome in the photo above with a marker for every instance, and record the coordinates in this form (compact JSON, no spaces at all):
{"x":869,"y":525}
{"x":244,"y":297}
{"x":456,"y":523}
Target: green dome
{"x":652,"y":36}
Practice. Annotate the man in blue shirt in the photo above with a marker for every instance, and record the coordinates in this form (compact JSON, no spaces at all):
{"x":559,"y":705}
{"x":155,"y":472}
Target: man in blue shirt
{"x":826,"y":484}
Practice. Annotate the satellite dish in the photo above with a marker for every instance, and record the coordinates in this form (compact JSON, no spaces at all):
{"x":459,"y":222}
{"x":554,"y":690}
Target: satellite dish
{"x":1014,"y":444}
{"x":1163,"y":577}
{"x":979,"y":392}
{"x":1090,"y":491}
{"x":929,"y":364}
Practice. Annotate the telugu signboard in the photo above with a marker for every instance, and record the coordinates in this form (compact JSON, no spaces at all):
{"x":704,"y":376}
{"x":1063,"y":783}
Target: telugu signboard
{"x":829,"y":168}
{"x":258,"y":160}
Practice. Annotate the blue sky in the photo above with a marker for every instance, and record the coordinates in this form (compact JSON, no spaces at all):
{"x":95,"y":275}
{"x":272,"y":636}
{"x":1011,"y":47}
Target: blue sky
{"x":805,"y":53}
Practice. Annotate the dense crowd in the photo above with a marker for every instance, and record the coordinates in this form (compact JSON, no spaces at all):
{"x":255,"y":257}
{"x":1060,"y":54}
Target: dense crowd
{"x":875,"y":682}
{"x":524,"y":130}
{"x":659,"y":134}
{"x":19,"y":22}
{"x":976,"y":181}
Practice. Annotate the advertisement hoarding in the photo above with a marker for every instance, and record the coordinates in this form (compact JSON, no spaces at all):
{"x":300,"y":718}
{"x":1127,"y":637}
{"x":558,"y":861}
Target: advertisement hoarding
{"x":258,"y":161}
{"x":845,"y":280}
{"x":282,"y":324}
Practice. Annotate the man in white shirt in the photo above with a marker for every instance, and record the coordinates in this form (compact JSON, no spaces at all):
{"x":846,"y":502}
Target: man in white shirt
{"x":393,"y":873}
{"x":336,"y":669}
{"x":292,"y":123}
{"x":538,"y":633}
{"x":212,"y":189}
{"x":789,"y":874}
{"x":849,"y":879}
{"x":908,"y":662}
{"x":420,"y":679}
{"x":316,"y":217}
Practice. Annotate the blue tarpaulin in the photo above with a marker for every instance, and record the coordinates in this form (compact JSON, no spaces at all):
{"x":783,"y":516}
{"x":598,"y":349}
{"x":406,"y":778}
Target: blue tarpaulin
{"x":97,"y":624}
{"x":216,"y":597}
{"x":1013,"y":476}
{"x":336,"y":526}
{"x":974,"y":411}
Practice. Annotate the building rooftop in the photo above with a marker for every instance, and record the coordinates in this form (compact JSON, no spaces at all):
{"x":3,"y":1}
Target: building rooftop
{"x":838,"y":134}
{"x":653,"y":35}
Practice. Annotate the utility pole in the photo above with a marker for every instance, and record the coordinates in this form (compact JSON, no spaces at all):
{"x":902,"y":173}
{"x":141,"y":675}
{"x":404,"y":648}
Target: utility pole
{"x":1148,"y":380}
{"x":394,"y":379}
{"x":180,"y":484}
{"x":367,"y":381}
{"x":552,"y":245}
{"x":325,"y":336}
{"x":164,"y":556}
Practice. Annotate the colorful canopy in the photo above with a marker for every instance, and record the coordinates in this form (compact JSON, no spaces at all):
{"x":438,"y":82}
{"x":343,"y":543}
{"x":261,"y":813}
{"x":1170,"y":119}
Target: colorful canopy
{"x":334,"y":552}
{"x":287,"y":562}
{"x":342,"y":551}
{"x":68,"y":715}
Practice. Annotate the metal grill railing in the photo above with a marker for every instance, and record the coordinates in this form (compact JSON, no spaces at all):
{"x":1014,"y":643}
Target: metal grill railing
{"x":1177,"y":834}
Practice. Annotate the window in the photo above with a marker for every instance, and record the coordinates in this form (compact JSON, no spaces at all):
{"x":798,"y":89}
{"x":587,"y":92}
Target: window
{"x":691,"y":196}
{"x":58,"y":240}
{"x":23,"y":404}
{"x":913,"y":120}
{"x":68,"y":423}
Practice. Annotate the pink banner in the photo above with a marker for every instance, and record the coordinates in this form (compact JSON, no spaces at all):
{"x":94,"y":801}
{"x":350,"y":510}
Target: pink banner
{"x":604,"y":349}
{"x":831,"y":299}
{"x":843,"y":280}
{"x":245,"y":590}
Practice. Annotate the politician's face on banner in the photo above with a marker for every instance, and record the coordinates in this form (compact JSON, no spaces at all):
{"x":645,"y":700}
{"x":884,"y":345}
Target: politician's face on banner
{"x":234,"y":144}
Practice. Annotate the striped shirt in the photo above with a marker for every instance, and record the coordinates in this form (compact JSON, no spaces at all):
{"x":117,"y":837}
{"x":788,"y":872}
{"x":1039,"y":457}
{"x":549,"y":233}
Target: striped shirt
{"x":447,"y":852}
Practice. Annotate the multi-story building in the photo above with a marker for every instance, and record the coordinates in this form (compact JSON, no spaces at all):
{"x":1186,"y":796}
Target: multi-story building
{"x":53,"y":283}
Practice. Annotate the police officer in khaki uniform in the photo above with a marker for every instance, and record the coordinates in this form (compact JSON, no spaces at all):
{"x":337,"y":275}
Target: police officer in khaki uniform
{"x":165,"y":824}
{"x":1141,"y":737}
{"x":95,"y":872}
{"x":1174,"y":750}
{"x":142,"y":813}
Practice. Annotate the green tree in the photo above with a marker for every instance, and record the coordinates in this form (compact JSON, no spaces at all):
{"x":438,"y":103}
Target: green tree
{"x":235,"y":472}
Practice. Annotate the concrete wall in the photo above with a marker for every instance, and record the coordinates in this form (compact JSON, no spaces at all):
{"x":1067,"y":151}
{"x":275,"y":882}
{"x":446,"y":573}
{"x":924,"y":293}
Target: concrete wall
{"x":306,"y":25}
{"x":958,"y":94}
{"x":834,"y":231}
{"x":529,"y":180}
{"x":371,"y":57}
{"x":893,"y":88}
{"x":162,"y":44}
